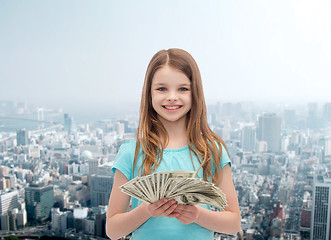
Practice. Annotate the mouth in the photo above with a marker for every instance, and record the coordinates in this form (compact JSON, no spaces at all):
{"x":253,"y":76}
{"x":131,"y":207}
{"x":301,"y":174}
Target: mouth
{"x":172,"y":107}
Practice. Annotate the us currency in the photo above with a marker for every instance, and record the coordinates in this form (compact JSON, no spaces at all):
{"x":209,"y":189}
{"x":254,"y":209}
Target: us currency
{"x":180,"y":185}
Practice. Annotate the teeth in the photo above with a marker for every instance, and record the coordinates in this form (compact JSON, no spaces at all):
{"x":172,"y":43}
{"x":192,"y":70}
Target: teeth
{"x":171,"y":108}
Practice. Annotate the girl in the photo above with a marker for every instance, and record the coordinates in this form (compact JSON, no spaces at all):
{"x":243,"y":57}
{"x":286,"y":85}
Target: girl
{"x":173,"y":133}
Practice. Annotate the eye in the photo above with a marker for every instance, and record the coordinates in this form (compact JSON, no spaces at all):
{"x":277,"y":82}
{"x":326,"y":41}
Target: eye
{"x":182,"y":89}
{"x":161,"y":89}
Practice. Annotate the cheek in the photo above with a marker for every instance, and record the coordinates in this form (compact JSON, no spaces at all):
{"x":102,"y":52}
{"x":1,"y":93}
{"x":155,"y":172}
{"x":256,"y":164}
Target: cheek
{"x":156,"y":98}
{"x":155,"y":101}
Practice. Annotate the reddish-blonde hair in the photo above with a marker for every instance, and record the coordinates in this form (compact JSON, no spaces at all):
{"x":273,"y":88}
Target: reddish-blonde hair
{"x":204,"y":143}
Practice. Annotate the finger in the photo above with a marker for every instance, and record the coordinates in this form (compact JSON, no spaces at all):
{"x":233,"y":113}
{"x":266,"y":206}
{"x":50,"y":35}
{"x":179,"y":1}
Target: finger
{"x":186,"y":208}
{"x":159,"y":203}
{"x":173,"y":215}
{"x":183,"y":208}
{"x":170,"y":210}
{"x":161,"y":210}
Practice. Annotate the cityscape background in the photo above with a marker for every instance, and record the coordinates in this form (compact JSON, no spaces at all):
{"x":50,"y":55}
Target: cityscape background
{"x":56,"y":179}
{"x":71,"y":75}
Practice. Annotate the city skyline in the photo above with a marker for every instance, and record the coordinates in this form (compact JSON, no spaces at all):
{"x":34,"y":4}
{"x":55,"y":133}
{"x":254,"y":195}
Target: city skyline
{"x":94,"y":55}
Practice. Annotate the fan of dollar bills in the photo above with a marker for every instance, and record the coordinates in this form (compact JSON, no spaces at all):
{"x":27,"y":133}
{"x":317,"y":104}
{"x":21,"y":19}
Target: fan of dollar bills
{"x":179,"y":185}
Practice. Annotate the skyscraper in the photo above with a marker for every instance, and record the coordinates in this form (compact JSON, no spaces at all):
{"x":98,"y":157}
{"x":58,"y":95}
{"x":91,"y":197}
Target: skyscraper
{"x":290,"y":118}
{"x":8,"y":201}
{"x":39,"y":200}
{"x":312,"y":118}
{"x":101,"y":185}
{"x":22,"y":137}
{"x":269,"y":129}
{"x":248,"y":136}
{"x":68,"y":122}
{"x":320,"y":227}
{"x":327,"y":113}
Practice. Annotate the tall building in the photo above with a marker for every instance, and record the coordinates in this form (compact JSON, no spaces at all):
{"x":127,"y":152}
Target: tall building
{"x":269,"y":129}
{"x":8,"y":202}
{"x":312,"y":118}
{"x":327,"y":146}
{"x":39,"y":200}
{"x":93,"y":165}
{"x":327,"y":112}
{"x":101,"y":186}
{"x":100,"y":224}
{"x":290,"y":118}
{"x":320,"y":223}
{"x":59,"y":220}
{"x":248,"y":137}
{"x":22,"y":137}
{"x":68,"y":122}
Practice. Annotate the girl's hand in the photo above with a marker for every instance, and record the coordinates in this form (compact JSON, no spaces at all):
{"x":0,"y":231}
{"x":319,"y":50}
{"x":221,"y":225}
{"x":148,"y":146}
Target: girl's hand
{"x":161,"y":208}
{"x":187,"y":213}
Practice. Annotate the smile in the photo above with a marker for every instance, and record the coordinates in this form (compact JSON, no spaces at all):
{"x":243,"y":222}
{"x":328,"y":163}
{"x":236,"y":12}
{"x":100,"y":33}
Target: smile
{"x":172,"y":107}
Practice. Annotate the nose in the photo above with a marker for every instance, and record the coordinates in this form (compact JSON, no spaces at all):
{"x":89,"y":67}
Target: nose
{"x":172,"y":96}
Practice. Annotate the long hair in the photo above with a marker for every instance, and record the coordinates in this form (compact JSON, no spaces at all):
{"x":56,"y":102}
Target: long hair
{"x":204,"y":143}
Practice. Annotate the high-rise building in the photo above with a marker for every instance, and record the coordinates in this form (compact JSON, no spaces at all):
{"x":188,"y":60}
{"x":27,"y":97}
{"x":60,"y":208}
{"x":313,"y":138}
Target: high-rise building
{"x":320,"y":223}
{"x":101,"y":186}
{"x":248,"y":137}
{"x":312,"y":118}
{"x":68,"y":122}
{"x":327,"y":112}
{"x":22,"y":137}
{"x":93,"y":164}
{"x":8,"y":202}
{"x":4,"y":222}
{"x":327,"y":146}
{"x":290,"y":118}
{"x":59,"y":220}
{"x":269,"y":129}
{"x":39,"y":200}
{"x":100,"y":223}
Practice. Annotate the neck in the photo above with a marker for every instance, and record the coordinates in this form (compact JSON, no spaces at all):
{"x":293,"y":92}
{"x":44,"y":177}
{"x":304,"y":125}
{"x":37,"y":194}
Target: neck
{"x":176,"y":133}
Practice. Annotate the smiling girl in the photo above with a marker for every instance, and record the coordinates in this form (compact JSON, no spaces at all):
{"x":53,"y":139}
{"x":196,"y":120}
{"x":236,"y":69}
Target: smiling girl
{"x":173,"y":134}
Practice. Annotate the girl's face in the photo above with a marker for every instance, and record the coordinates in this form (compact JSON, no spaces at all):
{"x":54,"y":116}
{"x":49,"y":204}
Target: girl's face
{"x":171,"y":95}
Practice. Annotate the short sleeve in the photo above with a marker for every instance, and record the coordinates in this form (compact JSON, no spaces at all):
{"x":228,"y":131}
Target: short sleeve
{"x":225,"y":159}
{"x":124,"y":159}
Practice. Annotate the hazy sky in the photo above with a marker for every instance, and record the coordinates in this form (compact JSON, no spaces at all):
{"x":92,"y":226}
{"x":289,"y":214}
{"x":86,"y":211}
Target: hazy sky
{"x":79,"y":54}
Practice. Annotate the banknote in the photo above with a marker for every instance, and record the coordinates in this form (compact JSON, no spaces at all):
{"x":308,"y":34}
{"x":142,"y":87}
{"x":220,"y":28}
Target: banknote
{"x":181,"y":185}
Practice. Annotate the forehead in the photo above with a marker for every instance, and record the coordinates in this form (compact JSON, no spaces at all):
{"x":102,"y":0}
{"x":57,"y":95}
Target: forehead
{"x":170,"y":75}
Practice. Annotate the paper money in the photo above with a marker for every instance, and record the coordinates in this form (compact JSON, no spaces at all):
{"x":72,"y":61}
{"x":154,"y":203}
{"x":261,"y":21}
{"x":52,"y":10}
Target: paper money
{"x":180,"y":185}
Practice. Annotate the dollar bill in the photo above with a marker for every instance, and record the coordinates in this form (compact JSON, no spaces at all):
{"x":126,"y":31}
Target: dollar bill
{"x":181,"y":185}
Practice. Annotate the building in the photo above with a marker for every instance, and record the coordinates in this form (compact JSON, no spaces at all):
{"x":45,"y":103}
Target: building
{"x":8,"y":201}
{"x":320,"y":223}
{"x":101,"y":185}
{"x":22,"y":137}
{"x":80,"y":214}
{"x":269,"y":130}
{"x":39,"y":200}
{"x":4,"y":220}
{"x":93,"y":165}
{"x":59,"y":220}
{"x":290,"y":118}
{"x":68,"y":122}
{"x":100,"y":224}
{"x":327,"y":112}
{"x":312,"y":118}
{"x":327,"y":146}
{"x":248,"y":136}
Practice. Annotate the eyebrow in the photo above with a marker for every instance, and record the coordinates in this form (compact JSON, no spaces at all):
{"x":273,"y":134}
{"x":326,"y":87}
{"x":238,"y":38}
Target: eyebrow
{"x":180,"y":85}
